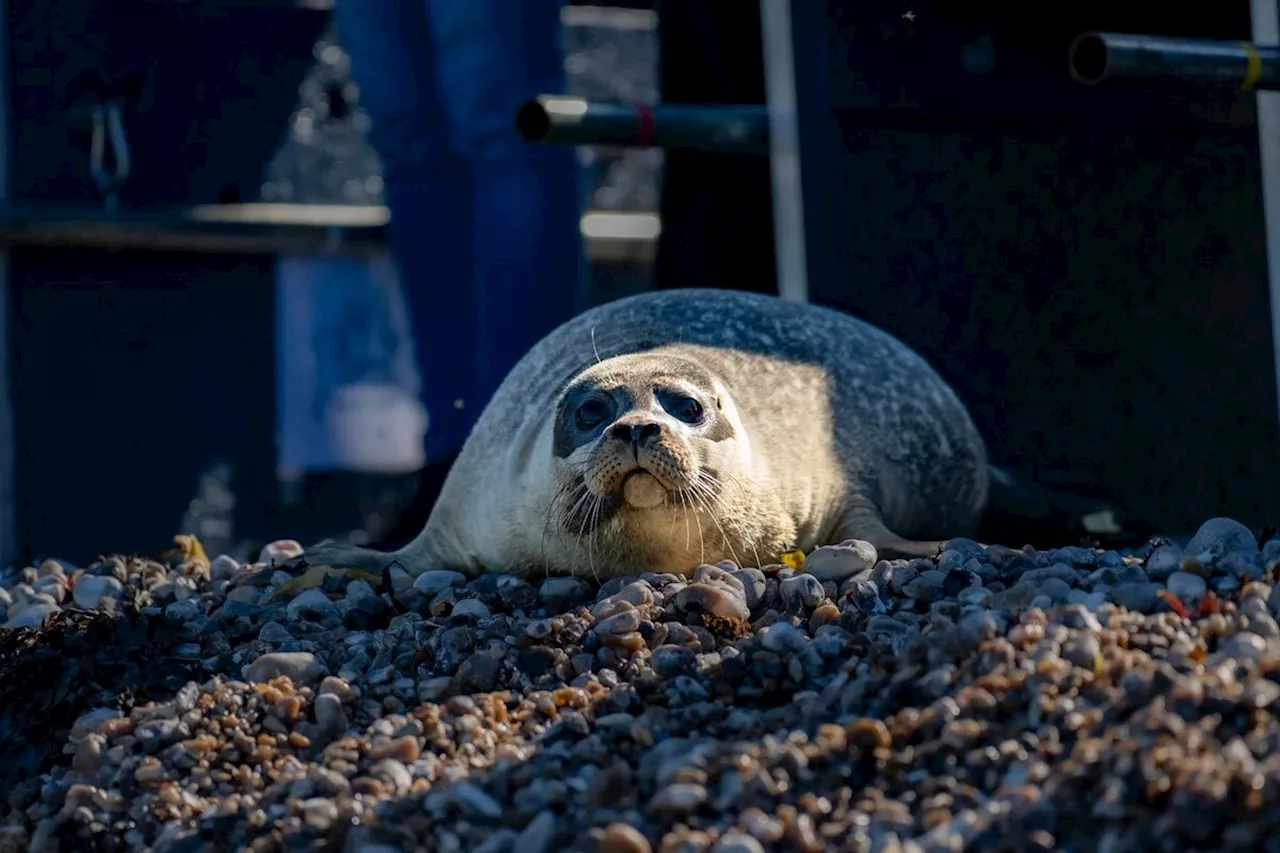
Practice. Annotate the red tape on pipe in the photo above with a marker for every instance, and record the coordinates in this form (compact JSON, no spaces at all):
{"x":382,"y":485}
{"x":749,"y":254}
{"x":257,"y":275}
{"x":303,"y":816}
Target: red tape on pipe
{"x":644,"y":118}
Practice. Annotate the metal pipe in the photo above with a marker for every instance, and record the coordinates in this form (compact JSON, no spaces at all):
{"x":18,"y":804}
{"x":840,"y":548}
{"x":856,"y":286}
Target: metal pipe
{"x":1096,"y":56}
{"x":565,"y":120}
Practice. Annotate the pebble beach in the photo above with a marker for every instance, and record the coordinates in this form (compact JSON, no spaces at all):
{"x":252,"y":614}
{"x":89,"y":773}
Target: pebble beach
{"x":991,"y":699}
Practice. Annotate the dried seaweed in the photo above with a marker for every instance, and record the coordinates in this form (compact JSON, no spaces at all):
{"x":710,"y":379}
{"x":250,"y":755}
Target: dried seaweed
{"x":76,"y":661}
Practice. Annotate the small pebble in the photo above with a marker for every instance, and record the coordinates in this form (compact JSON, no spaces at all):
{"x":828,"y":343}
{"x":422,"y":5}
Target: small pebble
{"x":298,"y":667}
{"x":1187,"y":587}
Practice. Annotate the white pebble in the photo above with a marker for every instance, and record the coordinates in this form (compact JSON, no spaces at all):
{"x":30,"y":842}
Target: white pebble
{"x":223,"y":567}
{"x":300,"y":667}
{"x":91,"y":589}
{"x":279,"y":551}
{"x":32,"y":616}
{"x":837,"y":562}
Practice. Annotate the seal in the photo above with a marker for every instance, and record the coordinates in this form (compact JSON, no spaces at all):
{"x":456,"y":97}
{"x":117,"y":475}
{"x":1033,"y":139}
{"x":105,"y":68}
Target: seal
{"x":674,"y":428}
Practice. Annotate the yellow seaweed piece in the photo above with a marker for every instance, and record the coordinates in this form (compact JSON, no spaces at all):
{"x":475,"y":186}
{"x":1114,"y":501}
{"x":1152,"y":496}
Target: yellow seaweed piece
{"x":794,"y":559}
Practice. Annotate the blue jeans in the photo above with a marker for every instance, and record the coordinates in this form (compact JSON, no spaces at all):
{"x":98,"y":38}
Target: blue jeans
{"x":484,"y":227}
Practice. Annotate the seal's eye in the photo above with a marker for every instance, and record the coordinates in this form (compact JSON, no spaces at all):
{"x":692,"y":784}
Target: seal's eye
{"x":687,"y":409}
{"x":591,"y":414}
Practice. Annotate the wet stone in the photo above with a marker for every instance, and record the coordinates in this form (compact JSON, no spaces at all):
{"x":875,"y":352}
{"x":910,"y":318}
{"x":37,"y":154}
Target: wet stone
{"x":299,"y":667}
{"x":1139,"y":597}
{"x":801,"y":591}
{"x":1186,"y":586}
{"x":1220,"y":536}
{"x":837,"y":562}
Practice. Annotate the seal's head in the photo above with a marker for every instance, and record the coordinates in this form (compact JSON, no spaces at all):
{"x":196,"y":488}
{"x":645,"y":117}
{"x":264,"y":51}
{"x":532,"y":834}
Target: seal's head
{"x":641,"y":438}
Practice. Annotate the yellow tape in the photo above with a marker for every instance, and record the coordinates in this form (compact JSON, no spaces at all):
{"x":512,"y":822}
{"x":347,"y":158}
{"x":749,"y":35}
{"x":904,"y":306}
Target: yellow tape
{"x":1254,"y":70}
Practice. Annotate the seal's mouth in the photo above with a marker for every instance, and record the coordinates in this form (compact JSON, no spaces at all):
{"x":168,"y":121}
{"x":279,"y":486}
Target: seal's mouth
{"x":642,"y":490}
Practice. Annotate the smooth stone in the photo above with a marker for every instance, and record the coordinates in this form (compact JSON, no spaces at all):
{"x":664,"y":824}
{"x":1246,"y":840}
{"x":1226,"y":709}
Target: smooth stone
{"x":926,"y":586}
{"x":802,"y":590}
{"x":91,"y":589}
{"x":1243,"y":646}
{"x":52,"y":586}
{"x":1055,"y":589}
{"x":475,"y":800}
{"x":737,"y":842}
{"x":1058,"y":571}
{"x":32,"y":616}
{"x":537,"y":835}
{"x":1017,"y":596}
{"x":311,"y":602}
{"x":679,"y":798}
{"x":783,"y":637}
{"x":300,"y":667}
{"x":223,"y":567}
{"x":1138,"y":597}
{"x":720,"y":576}
{"x":279,"y":551}
{"x":330,"y":715}
{"x":865,"y":596}
{"x":438,"y":580}
{"x":1219,"y":536}
{"x":715,"y":599}
{"x":1083,"y":650}
{"x":1162,"y":562}
{"x":837,"y":562}
{"x":473,"y":607}
{"x":1078,"y":616}
{"x":753,"y":585}
{"x":360,"y":589}
{"x":1188,"y":587}
{"x":274,"y":632}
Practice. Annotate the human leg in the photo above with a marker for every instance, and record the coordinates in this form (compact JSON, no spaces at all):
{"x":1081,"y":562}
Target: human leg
{"x":490,"y":56}
{"x":428,"y":190}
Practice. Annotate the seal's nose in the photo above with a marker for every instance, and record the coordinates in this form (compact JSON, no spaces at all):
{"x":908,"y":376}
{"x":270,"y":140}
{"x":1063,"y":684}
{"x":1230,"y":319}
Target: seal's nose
{"x":637,"y":433}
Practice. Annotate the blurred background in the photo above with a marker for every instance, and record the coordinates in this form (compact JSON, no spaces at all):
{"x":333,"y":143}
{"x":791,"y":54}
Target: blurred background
{"x":209,"y":327}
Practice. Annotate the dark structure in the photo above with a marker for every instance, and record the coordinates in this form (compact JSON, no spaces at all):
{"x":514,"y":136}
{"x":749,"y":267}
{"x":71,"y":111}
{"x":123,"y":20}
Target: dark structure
{"x":1086,"y":263}
{"x":136,"y":372}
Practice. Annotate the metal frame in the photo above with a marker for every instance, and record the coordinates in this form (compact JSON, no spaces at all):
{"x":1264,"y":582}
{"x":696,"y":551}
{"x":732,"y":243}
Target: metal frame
{"x":8,"y":441}
{"x":1265,"y":20}
{"x":784,"y":149}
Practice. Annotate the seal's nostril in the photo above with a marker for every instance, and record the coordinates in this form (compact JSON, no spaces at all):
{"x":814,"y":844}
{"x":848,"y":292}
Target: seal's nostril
{"x":639,"y":433}
{"x":643,"y":433}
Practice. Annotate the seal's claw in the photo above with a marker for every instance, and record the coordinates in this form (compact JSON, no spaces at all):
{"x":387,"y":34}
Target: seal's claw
{"x":907,"y":549}
{"x":321,"y":562}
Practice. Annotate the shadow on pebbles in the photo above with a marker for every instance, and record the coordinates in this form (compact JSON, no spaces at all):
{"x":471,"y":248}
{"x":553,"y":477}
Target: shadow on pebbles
{"x":992,"y":699}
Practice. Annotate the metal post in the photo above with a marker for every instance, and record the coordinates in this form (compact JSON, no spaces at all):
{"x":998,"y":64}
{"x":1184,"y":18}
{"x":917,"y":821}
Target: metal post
{"x":784,"y":149}
{"x":1265,"y":15}
{"x":8,"y":441}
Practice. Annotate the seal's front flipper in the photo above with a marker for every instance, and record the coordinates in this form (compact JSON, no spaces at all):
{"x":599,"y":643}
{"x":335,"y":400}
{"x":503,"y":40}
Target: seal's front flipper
{"x":332,"y":563}
{"x":865,"y":524}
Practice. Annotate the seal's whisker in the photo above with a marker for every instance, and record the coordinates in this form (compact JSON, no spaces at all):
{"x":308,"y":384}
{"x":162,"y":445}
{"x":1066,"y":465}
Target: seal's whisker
{"x":716,"y":487}
{"x":704,"y":495}
{"x":684,"y":504}
{"x":596,"y":505}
